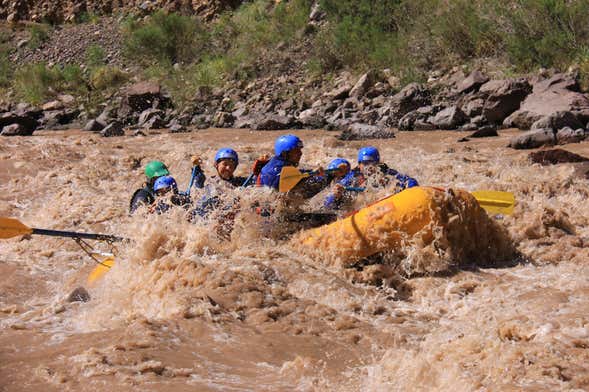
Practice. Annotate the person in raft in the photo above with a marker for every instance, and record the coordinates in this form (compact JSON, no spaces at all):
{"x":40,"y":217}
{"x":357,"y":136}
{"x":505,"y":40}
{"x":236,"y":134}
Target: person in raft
{"x":146,"y":195}
{"x":226,"y":161}
{"x":288,"y":151}
{"x":339,"y":169}
{"x":166,"y":195}
{"x":371,"y":172}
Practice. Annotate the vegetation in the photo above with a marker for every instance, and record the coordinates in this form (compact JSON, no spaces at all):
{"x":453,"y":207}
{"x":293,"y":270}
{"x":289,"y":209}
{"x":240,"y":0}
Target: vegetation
{"x":409,"y":37}
{"x":38,"y":34}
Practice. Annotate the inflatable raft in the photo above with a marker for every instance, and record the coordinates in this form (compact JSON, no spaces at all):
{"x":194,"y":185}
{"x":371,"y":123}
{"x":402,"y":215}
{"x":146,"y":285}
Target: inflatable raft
{"x":419,"y":215}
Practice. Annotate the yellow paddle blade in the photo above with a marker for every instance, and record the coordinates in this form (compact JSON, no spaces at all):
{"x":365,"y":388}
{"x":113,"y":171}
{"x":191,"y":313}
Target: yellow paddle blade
{"x":10,"y":227}
{"x":101,"y":269}
{"x":289,"y":178}
{"x":496,"y":202}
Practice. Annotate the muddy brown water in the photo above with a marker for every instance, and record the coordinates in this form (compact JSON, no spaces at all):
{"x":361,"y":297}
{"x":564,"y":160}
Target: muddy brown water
{"x":183,"y":310}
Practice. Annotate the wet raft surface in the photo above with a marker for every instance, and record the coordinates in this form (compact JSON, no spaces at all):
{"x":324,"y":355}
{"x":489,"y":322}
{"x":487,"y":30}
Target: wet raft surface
{"x":185,"y":311}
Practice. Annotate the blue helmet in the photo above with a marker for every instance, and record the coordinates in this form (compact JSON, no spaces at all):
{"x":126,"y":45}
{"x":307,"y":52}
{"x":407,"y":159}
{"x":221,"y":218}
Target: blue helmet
{"x":227,"y":153}
{"x":165,"y":182}
{"x":286,"y":143}
{"x":335,"y":164}
{"x":368,"y":154}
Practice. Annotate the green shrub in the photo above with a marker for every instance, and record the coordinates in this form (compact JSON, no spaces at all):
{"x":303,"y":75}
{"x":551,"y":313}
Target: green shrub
{"x":107,"y":77}
{"x":95,"y":56}
{"x":164,"y":39}
{"x":38,"y":34}
{"x":549,"y":33}
{"x":35,"y":83}
{"x":5,"y":69}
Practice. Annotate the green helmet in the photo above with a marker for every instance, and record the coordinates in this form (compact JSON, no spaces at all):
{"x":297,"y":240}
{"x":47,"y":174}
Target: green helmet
{"x":156,"y":169}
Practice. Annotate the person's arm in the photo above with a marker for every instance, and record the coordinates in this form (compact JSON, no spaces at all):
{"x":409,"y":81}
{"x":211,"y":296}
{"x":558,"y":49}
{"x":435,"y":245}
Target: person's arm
{"x":403,"y":180}
{"x":140,"y":198}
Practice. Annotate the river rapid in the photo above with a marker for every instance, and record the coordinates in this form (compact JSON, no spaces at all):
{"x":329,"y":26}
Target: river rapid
{"x":183,"y":309}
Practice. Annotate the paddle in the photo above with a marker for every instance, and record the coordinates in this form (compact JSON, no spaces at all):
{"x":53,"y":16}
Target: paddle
{"x":494,"y":202}
{"x":10,"y":227}
{"x":290,"y":176}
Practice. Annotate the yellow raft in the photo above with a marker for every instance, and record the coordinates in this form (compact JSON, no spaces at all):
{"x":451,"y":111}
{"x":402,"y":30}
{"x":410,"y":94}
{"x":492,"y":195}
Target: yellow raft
{"x":416,"y":213}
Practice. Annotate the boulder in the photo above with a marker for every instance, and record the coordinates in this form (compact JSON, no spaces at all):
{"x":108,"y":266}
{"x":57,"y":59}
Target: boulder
{"x":533,"y":139}
{"x":52,"y":105}
{"x":568,"y":135}
{"x":503,"y":98}
{"x":555,"y":156}
{"x":411,"y":97}
{"x":16,"y":130}
{"x":147,"y":115}
{"x":272,"y":122}
{"x":557,"y":94}
{"x":311,"y":118}
{"x":363,"y":84}
{"x":486,"y":131}
{"x":223,"y":120}
{"x":155,"y":122}
{"x":26,"y":122}
{"x":94,"y":126}
{"x":450,"y":118}
{"x":423,"y":125}
{"x":55,"y":119}
{"x":342,"y":92}
{"x":115,"y":128}
{"x":557,"y":121}
{"x":142,"y":96}
{"x":472,"y":82}
{"x":365,"y":131}
{"x":407,"y":121}
{"x":178,"y":128}
{"x":473,"y":107}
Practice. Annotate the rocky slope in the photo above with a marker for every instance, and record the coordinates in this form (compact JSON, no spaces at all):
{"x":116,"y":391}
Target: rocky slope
{"x":58,"y":11}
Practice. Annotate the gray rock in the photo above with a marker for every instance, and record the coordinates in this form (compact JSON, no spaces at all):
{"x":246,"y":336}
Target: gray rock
{"x":147,"y":115}
{"x":272,"y":122}
{"x":473,"y":107}
{"x":155,"y":122}
{"x":449,"y":118}
{"x":94,"y":126}
{"x":115,"y":128}
{"x":486,"y":131}
{"x":310,"y":118}
{"x":223,"y":120}
{"x":472,"y":82}
{"x":533,"y":139}
{"x":26,"y":122}
{"x":364,"y":131}
{"x":363,"y":84}
{"x":548,"y":98}
{"x":557,"y":121}
{"x":411,"y":97}
{"x":178,"y":128}
{"x":52,"y":105}
{"x":142,"y":96}
{"x":342,"y":92}
{"x":423,"y":125}
{"x":468,"y":127}
{"x":16,"y":130}
{"x":504,"y":97}
{"x":568,"y":135}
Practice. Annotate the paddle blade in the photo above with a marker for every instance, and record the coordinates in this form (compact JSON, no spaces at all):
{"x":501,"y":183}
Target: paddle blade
{"x":496,"y":202}
{"x":10,"y":227}
{"x":289,"y":178}
{"x":101,"y":269}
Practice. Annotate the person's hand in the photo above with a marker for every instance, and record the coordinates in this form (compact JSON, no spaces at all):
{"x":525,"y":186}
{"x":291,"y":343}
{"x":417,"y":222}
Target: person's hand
{"x":196,"y":160}
{"x":320,"y":171}
{"x":338,"y":191}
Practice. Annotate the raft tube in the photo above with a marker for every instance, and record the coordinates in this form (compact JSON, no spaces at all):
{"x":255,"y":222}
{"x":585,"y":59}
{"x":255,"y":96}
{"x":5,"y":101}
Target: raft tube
{"x":386,"y":225}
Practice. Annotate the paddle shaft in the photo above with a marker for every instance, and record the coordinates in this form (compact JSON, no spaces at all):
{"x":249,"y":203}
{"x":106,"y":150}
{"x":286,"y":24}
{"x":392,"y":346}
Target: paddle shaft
{"x":73,"y":234}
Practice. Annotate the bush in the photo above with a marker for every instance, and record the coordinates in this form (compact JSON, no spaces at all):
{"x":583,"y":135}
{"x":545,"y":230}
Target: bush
{"x":107,"y":77}
{"x":38,"y":34}
{"x":548,"y":33}
{"x":35,"y":83}
{"x":164,"y":39}
{"x":95,"y":56}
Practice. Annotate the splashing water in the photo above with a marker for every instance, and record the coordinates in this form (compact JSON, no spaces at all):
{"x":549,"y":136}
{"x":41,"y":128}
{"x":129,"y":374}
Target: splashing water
{"x":185,"y":309}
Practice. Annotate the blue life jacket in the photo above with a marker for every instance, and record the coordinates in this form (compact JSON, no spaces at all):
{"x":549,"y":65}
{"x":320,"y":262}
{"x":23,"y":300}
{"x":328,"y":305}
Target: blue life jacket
{"x":270,"y":174}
